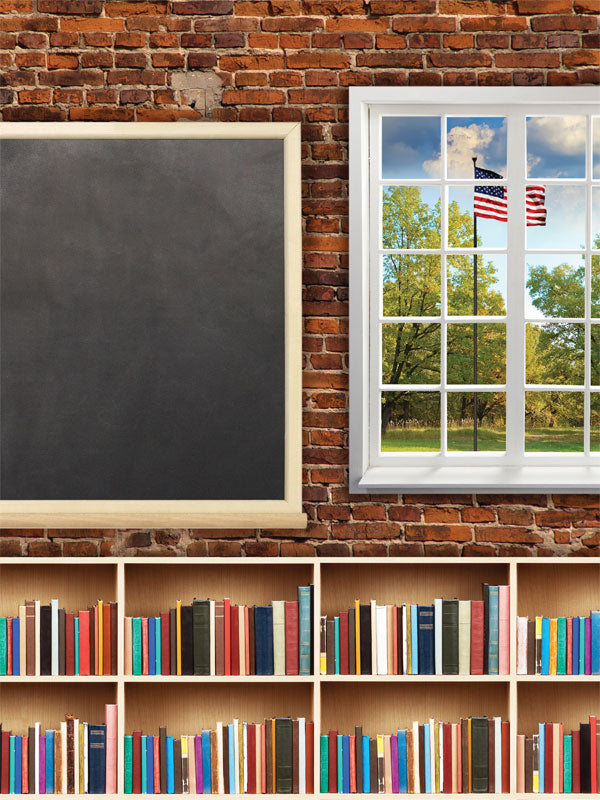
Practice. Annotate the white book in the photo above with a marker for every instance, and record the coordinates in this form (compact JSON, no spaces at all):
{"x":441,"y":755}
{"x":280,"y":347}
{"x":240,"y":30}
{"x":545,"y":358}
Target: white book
{"x":437,"y":634}
{"x":498,"y":754}
{"x":22,"y":645}
{"x":37,"y":638}
{"x":213,"y":654}
{"x":464,"y":637}
{"x":36,"y":751}
{"x":432,"y":753}
{"x":76,"y":754}
{"x":441,"y":741}
{"x":245,"y":763}
{"x":220,"y":765}
{"x":236,"y":754}
{"x":54,"y":636}
{"x":278,"y":637}
{"x":416,"y":758}
{"x":521,"y":645}
{"x":85,"y":758}
{"x":373,"y":637}
{"x":404,"y":642}
{"x":63,"y":760}
{"x":382,"y":645}
{"x":301,"y":756}
{"x":242,"y":639}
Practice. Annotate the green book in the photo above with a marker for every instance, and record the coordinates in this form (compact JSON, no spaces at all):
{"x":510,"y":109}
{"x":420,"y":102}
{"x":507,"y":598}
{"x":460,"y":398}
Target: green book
{"x":479,"y":753}
{"x":340,"y":764}
{"x":567,"y":764}
{"x":11,"y":779}
{"x":561,"y":646}
{"x":324,"y":763}
{"x":144,"y":766}
{"x":157,"y":648}
{"x":128,"y":764}
{"x":336,"y":628}
{"x":3,"y":647}
{"x":283,"y":755}
{"x":582,"y":645}
{"x":136,"y":645}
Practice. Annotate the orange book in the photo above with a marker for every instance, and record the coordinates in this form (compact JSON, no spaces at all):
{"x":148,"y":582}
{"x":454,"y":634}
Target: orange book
{"x":410,"y":761}
{"x":25,"y":765}
{"x":106,"y":650}
{"x":553,"y":645}
{"x":273,"y":761}
{"x":156,"y":764}
{"x":506,"y":756}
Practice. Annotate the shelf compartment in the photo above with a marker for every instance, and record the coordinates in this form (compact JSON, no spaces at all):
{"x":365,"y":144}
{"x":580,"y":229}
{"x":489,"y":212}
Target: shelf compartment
{"x":543,"y":702}
{"x":558,"y":590}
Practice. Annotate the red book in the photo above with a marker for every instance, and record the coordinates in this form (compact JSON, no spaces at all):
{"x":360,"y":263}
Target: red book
{"x":395,"y":639}
{"x":333,"y":761}
{"x":84,"y":642}
{"x":310,"y":749}
{"x":165,"y":644}
{"x":69,"y":643}
{"x":344,"y":666}
{"x":5,"y":762}
{"x":593,"y":756}
{"x":569,"y":645}
{"x":251,"y":735}
{"x":506,"y":757}
{"x":156,"y":763}
{"x":25,"y":764}
{"x":106,"y":648}
{"x":476,"y":637}
{"x":144,"y":645}
{"x":447,"y":731}
{"x":291,"y":637}
{"x":9,"y":638}
{"x":352,"y":745}
{"x":575,"y":767}
{"x":560,"y":757}
{"x":136,"y":762}
{"x":548,"y":760}
{"x":234,"y":652}
{"x":227,"y":634}
{"x":96,"y":641}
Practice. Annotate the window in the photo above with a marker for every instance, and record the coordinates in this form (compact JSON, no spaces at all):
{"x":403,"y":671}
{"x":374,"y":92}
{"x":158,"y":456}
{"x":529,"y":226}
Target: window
{"x":474,"y":289}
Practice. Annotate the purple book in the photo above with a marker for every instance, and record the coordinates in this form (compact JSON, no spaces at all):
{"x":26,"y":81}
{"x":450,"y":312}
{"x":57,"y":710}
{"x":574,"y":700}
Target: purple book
{"x":394,"y":745}
{"x":42,"y":765}
{"x":199,"y":777}
{"x":588,"y":645}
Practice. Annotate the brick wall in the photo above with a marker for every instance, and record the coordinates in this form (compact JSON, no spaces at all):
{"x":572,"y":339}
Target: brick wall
{"x":293,"y":60}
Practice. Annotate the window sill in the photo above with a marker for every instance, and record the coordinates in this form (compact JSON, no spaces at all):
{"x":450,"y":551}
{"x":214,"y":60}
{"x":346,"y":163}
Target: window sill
{"x":467,"y":480}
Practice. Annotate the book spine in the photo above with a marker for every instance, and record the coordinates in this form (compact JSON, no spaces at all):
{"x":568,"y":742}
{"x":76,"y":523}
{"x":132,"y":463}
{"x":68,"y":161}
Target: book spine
{"x":493,"y":628}
{"x":438,"y":645}
{"x":464,"y":637}
{"x":292,"y":637}
{"x":450,"y":637}
{"x":522,"y":645}
{"x":503,"y":630}
{"x":477,"y":637}
{"x":304,"y":630}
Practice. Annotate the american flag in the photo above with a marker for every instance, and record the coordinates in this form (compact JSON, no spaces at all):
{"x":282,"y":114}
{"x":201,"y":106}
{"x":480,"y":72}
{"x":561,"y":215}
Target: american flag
{"x":491,"y":202}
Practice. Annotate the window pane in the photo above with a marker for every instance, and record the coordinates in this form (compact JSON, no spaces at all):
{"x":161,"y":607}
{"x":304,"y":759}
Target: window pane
{"x":410,"y":147}
{"x":410,"y":422}
{"x":595,"y":243}
{"x":565,"y":220}
{"x":595,"y":422}
{"x":411,"y":352}
{"x":553,"y":422}
{"x":555,"y":286}
{"x":491,"y":285}
{"x":484,"y":137}
{"x":476,"y":353}
{"x":554,"y":353}
{"x":411,"y":285}
{"x":490,"y":232}
{"x":595,"y":286}
{"x":490,"y":431}
{"x":595,"y":355}
{"x":596,"y":136}
{"x":411,"y":217}
{"x":556,"y":147}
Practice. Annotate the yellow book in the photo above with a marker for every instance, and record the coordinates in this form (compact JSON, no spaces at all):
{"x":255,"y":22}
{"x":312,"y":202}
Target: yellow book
{"x":178,"y":639}
{"x":469,"y":754}
{"x":242,"y":758}
{"x":100,"y":638}
{"x":323,"y":643}
{"x":81,"y":761}
{"x":553,"y":645}
{"x":436,"y":739}
{"x":357,"y":634}
{"x":274,"y":762}
{"x":408,"y":642}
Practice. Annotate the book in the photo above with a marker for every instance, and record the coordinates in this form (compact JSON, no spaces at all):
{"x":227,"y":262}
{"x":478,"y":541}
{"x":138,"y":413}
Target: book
{"x":292,"y":633}
{"x":464,"y":637}
{"x":426,"y":640}
{"x":450,"y":637}
{"x":479,"y":754}
{"x":477,"y":637}
{"x":278,"y":637}
{"x":305,"y":665}
{"x":97,"y":758}
{"x":263,"y":634}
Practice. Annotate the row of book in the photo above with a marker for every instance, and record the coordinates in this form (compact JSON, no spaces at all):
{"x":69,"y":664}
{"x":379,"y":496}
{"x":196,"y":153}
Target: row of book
{"x":47,"y":640}
{"x":449,"y":637}
{"x":558,"y":762}
{"x":558,"y":646}
{"x":214,"y":637}
{"x":274,"y":756}
{"x":77,"y":758}
{"x":467,"y":756}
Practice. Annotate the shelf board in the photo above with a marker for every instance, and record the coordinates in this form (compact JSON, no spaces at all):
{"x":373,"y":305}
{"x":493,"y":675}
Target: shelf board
{"x":558,"y":678}
{"x":414,"y":678}
{"x":219,"y":679}
{"x":59,"y":678}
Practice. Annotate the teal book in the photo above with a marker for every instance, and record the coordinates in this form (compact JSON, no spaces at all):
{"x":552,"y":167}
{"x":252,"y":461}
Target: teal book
{"x":561,"y":646}
{"x":324,"y":763}
{"x":76,"y":643}
{"x":128,"y":758}
{"x":493,"y":631}
{"x":582,"y":645}
{"x":3,"y":647}
{"x":11,"y":757}
{"x":567,"y":764}
{"x":304,"y":626}
{"x":144,"y":761}
{"x":170,"y":766}
{"x":340,"y":765}
{"x":157,"y":646}
{"x":336,"y":660}
{"x":136,"y":645}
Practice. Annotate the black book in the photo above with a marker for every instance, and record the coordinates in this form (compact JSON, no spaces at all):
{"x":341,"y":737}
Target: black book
{"x":486,"y":626}
{"x":173,"y":640}
{"x":283,"y":755}
{"x":585,"y":764}
{"x":62,"y":644}
{"x":479,"y":753}
{"x":365,"y":640}
{"x":399,"y":626}
{"x":226,"y":787}
{"x":201,"y":626}
{"x":31,"y":758}
{"x":177,"y":779}
{"x":162,"y":755}
{"x":373,"y":764}
{"x":45,"y":640}
{"x":358,"y":757}
{"x":449,"y":637}
{"x":187,"y":641}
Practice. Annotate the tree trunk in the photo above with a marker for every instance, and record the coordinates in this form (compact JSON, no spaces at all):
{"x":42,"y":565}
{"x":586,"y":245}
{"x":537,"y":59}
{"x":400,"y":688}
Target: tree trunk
{"x":386,"y":415}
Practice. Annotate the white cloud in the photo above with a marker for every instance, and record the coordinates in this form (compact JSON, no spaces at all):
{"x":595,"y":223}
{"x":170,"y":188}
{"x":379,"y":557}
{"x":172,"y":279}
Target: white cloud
{"x":464,"y":142}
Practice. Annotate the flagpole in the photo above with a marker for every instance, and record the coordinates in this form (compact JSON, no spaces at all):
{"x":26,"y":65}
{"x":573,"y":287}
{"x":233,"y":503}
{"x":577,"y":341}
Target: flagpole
{"x":474,"y":324}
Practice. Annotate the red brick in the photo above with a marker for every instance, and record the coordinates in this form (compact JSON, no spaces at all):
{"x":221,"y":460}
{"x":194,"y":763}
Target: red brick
{"x":64,"y":39}
{"x":42,"y":548}
{"x":564,"y":23}
{"x":545,"y":7}
{"x":97,"y":58}
{"x":101,"y":96}
{"x":252,"y":96}
{"x":6,"y":96}
{"x":146,"y":23}
{"x":93,"y":39}
{"x":576,"y":501}
{"x":498,"y":534}
{"x":419,"y":41}
{"x":21,"y":533}
{"x":253,"y":7}
{"x":386,"y":41}
{"x":438,"y":533}
{"x":229,"y":40}
{"x":134,"y":96}
{"x":128,"y":77}
{"x":478,"y":550}
{"x":169,"y":60}
{"x":362,"y":25}
{"x":408,"y":7}
{"x":405,"y":514}
{"x":459,"y":78}
{"x":323,"y":60}
{"x":79,"y":77}
{"x":420,"y":24}
{"x":358,"y":41}
{"x":300,"y":549}
{"x":332,"y":7}
{"x":502,"y":23}
{"x":368,"y":512}
{"x":476,"y":514}
{"x":447,"y":515}
{"x":98,"y":114}
{"x":80,"y":549}
{"x":119,"y":9}
{"x":130,"y":60}
{"x":406,"y":549}
{"x":32,"y":41}
{"x":255,"y":114}
{"x":471,"y":7}
{"x":512,"y":500}
{"x":331,"y":41}
{"x":70,"y":6}
{"x":7,"y":41}
{"x":202,"y":60}
{"x":472,"y":59}
{"x":130,"y":40}
{"x":143,"y":114}
{"x":235,"y":62}
{"x":579,"y":58}
{"x":163,"y":39}
{"x":86,"y":24}
{"x":62,"y":61}
{"x":327,"y":475}
{"x":22,"y":6}
{"x":223,"y":549}
{"x":561,"y":78}
{"x":493,"y":41}
{"x":529,"y":78}
{"x":195,"y":40}
{"x":34,"y":96}
{"x":515,"y":516}
{"x":405,"y":60}
{"x":332,"y":549}
{"x":261,"y":548}
{"x":203,"y":7}
{"x":458,"y":41}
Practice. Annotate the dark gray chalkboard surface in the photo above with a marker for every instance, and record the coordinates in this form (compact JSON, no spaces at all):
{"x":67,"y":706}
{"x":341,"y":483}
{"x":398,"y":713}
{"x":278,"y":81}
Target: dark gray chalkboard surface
{"x":142,"y":319}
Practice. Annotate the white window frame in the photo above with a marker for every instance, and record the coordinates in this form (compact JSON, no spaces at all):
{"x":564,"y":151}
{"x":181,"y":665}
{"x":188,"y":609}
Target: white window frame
{"x":370,"y":470}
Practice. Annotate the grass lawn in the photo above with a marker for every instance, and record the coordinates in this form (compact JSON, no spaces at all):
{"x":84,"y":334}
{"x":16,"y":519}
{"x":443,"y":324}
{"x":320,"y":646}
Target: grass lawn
{"x":554,"y":440}
{"x":538,"y":440}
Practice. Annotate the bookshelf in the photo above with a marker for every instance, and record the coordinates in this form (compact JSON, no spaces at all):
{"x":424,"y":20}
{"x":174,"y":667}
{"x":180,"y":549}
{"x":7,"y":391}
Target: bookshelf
{"x":146,"y":586}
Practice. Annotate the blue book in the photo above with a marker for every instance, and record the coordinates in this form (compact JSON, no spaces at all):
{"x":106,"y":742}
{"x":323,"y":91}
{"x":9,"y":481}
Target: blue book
{"x":427,"y":753}
{"x":426,"y":641}
{"x":340,"y":766}
{"x":76,"y":644}
{"x":595,"y":615}
{"x":49,"y":762}
{"x":263,"y":639}
{"x":170,"y":766}
{"x":149,"y":765}
{"x":402,"y":765}
{"x":575,"y":661}
{"x":304,"y":627}
{"x":336,"y":649}
{"x":144,"y":766}
{"x":366,"y":770}
{"x":18,"y":764}
{"x":545,"y":645}
{"x":151,"y":646}
{"x":346,"y":764}
{"x":16,"y":665}
{"x":3,"y":646}
{"x":414,"y":639}
{"x":582,"y":645}
{"x":97,"y":759}
{"x":493,"y":612}
{"x":542,"y":750}
{"x":157,"y":646}
{"x":206,"y":785}
{"x":230,"y":740}
{"x":11,"y":764}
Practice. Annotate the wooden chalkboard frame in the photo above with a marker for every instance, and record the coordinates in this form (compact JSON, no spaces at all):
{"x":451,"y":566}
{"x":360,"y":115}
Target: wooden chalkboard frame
{"x":286,"y":513}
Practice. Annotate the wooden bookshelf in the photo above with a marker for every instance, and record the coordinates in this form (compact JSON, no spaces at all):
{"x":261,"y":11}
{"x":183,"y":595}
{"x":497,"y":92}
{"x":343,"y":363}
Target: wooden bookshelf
{"x":381,"y":703}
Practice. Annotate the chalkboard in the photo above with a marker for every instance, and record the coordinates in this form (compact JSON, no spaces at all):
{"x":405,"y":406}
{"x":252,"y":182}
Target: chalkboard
{"x":143,"y":338}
